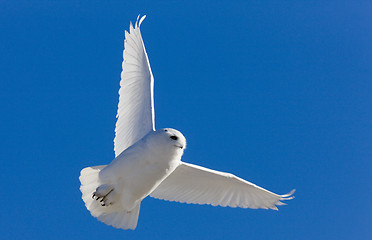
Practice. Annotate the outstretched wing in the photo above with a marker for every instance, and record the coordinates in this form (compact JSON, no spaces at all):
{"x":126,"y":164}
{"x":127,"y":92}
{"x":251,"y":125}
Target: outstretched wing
{"x":194,"y":184}
{"x":135,"y":116}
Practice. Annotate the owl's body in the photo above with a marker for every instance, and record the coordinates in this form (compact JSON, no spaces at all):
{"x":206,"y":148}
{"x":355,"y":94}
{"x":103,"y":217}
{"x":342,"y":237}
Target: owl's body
{"x":134,"y":174}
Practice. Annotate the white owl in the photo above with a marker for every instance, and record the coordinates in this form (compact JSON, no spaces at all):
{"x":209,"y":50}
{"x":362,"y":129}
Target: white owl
{"x":148,"y":161}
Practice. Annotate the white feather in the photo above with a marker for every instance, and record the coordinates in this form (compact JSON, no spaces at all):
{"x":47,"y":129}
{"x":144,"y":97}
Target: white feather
{"x":190,"y":183}
{"x":136,"y":102}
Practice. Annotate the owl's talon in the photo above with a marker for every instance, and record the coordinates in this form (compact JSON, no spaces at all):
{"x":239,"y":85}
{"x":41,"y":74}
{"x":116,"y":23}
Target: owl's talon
{"x":102,"y":194}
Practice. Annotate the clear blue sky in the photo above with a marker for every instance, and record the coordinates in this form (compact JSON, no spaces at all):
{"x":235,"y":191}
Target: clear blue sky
{"x":279,"y":94}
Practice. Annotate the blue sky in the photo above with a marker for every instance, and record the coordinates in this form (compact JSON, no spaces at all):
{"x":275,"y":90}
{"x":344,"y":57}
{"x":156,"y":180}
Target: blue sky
{"x":276,"y":93}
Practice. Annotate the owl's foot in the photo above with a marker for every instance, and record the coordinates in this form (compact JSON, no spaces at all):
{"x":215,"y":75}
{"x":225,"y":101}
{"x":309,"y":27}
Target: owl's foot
{"x":104,"y":194}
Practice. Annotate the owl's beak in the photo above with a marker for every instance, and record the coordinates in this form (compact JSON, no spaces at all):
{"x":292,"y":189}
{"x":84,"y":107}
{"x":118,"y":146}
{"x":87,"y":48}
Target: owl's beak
{"x":178,"y":145}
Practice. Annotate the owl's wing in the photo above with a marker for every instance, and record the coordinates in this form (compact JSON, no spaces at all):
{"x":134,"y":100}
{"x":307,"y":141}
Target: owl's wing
{"x":194,"y":184}
{"x":135,"y":116}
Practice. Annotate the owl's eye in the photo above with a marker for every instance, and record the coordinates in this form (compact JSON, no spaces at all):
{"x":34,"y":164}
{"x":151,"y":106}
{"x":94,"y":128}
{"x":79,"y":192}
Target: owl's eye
{"x":174,"y":137}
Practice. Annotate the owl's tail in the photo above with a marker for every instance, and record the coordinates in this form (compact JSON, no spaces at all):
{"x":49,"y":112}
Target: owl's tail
{"x":113,"y":214}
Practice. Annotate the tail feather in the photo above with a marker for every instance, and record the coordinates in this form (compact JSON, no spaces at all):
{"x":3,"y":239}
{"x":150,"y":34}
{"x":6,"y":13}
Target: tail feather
{"x":123,"y":219}
{"x":113,"y":215}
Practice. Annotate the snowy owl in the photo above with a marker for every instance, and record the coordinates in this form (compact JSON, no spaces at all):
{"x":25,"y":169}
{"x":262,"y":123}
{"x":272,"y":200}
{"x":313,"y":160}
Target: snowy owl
{"x":148,"y":161}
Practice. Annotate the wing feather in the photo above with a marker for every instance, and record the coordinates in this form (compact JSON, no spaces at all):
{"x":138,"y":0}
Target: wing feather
{"x":190,"y":183}
{"x":135,"y":116}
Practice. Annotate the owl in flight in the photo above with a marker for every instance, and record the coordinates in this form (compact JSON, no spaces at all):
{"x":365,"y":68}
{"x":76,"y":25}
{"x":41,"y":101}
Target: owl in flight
{"x":148,"y":161}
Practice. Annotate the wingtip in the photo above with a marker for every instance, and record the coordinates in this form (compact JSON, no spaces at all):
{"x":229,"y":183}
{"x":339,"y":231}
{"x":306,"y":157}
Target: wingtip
{"x":130,"y":27}
{"x":274,"y":208}
{"x":138,"y":23}
{"x":141,"y":20}
{"x":279,"y":203}
{"x":288,"y":196}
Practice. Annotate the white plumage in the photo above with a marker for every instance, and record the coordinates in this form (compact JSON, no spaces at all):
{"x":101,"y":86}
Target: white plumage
{"x":136,"y":102}
{"x":190,"y":183}
{"x":148,"y":162}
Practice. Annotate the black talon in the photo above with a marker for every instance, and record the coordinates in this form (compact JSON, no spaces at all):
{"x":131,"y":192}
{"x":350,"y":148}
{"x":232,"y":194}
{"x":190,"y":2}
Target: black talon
{"x":103,"y":199}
